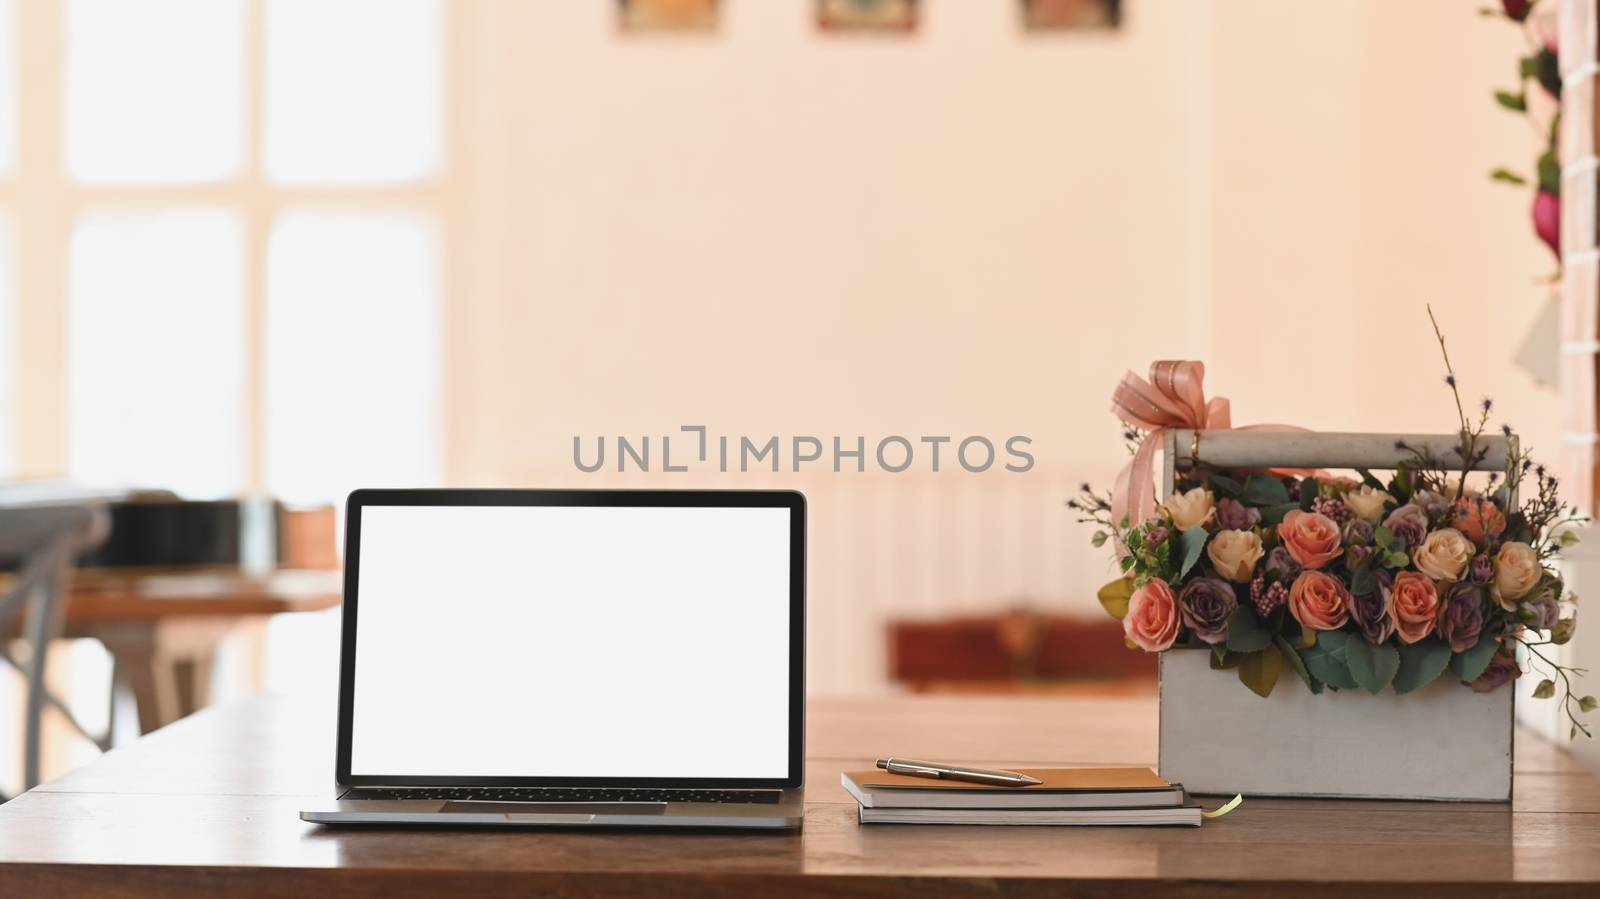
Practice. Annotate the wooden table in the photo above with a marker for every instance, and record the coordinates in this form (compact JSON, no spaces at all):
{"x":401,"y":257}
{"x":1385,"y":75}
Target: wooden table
{"x":208,"y":807}
{"x":162,"y":630}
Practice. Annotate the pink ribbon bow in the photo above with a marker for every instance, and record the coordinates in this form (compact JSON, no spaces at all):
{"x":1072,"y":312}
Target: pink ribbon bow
{"x":1174,"y":397}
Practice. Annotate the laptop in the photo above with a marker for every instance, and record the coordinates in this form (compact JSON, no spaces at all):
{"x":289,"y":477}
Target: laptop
{"x":572,"y":658}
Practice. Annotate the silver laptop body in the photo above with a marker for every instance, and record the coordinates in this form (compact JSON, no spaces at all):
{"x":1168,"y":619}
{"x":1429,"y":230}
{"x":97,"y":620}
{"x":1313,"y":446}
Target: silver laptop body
{"x":571,"y":658}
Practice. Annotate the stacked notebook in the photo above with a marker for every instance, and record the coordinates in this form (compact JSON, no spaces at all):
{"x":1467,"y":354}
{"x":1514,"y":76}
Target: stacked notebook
{"x":1066,"y":796}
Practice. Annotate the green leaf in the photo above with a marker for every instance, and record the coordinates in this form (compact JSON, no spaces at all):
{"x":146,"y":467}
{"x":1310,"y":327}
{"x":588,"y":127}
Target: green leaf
{"x":1363,"y":581}
{"x":1420,"y":663}
{"x":1545,"y":690}
{"x":1308,"y":494}
{"x":1223,"y":485}
{"x":1114,"y":596}
{"x":1370,"y":479}
{"x":1507,"y":176}
{"x":1373,"y":667}
{"x":1245,"y":633}
{"x":1265,"y":490}
{"x":1326,"y":661}
{"x":1099,"y":539}
{"x":1224,"y":660}
{"x":1471,"y":663}
{"x":1562,"y":632}
{"x":1397,"y":560}
{"x":1550,"y":174}
{"x":1298,"y":664}
{"x":1126,"y":562}
{"x":1272,"y":515}
{"x":1382,"y":537}
{"x":1528,"y":67}
{"x":1194,"y":543}
{"x":1259,"y":670}
{"x":1513,"y":102}
{"x":1587,"y":703}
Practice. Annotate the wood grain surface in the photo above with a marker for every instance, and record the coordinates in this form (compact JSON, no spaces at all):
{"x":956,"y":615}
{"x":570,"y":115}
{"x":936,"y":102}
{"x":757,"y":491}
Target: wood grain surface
{"x":208,"y":807}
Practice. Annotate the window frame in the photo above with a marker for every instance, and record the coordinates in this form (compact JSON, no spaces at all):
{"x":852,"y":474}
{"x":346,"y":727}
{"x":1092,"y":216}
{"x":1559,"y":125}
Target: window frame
{"x":43,"y":204}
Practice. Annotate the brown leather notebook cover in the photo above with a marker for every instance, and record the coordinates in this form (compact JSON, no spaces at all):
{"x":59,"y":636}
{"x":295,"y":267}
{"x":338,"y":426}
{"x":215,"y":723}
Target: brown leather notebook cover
{"x":1056,"y":780}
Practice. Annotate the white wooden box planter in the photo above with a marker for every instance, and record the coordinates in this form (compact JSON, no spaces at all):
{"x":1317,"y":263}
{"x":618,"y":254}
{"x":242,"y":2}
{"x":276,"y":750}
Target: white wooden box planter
{"x":1441,"y":741}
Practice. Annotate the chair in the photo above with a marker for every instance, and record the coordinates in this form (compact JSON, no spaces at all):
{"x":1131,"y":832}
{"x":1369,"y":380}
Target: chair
{"x":44,"y":542}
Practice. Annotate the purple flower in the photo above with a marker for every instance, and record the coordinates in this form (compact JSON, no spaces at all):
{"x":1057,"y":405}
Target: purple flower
{"x":1370,"y":610}
{"x":1502,"y":670}
{"x":1432,"y":504}
{"x":1358,"y":533}
{"x":1409,"y":523}
{"x":1157,"y":535}
{"x":1482,"y":569}
{"x":1461,"y":621}
{"x":1206,"y":604}
{"x":1236,"y":516}
{"x":1281,"y":567}
{"x":1544,"y":609}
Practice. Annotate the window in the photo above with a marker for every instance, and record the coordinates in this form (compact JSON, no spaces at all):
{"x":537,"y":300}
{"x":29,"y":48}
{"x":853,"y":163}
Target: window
{"x":222,"y":200}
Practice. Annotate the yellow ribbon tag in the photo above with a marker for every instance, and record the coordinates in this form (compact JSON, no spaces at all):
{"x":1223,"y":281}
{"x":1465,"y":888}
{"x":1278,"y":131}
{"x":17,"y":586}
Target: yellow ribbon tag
{"x":1226,"y":807}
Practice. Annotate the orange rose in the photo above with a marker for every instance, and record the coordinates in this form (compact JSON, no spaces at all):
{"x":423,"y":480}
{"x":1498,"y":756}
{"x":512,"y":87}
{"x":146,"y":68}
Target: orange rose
{"x":1319,"y":601}
{"x":1152,"y":619}
{"x":1415,"y":607}
{"x":1311,"y":537}
{"x":1479,"y":519}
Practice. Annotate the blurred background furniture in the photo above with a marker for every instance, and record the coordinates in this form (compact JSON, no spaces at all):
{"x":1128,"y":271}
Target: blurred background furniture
{"x":1016,"y":652}
{"x":163,"y":630}
{"x":44,"y":542}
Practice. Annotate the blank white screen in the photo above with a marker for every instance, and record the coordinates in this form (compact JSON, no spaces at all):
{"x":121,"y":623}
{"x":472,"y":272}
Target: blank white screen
{"x":550,"y":641}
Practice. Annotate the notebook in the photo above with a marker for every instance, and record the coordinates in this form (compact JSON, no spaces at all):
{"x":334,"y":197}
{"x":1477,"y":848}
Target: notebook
{"x":1062,"y":788}
{"x":1183,"y":815}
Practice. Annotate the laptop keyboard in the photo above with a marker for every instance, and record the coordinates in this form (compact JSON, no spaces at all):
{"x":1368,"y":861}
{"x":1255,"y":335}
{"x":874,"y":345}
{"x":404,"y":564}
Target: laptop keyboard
{"x":566,"y":794}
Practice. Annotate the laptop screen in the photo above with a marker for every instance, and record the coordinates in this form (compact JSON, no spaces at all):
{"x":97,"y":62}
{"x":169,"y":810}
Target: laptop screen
{"x":551,"y":641}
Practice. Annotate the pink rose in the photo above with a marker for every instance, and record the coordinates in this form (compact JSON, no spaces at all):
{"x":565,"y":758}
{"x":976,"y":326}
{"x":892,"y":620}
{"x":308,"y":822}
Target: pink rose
{"x":1311,"y":537}
{"x":1414,"y":606}
{"x":1319,"y":601}
{"x":1152,"y":619}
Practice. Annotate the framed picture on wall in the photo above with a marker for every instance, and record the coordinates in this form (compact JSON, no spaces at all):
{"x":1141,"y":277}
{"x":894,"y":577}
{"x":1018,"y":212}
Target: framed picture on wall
{"x":667,"y":15}
{"x":867,"y":15}
{"x":1057,"y":15}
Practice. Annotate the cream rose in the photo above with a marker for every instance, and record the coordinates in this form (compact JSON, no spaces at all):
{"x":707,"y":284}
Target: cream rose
{"x":1191,"y":509}
{"x":1444,"y":555}
{"x":1516,"y":572}
{"x":1234,"y":554}
{"x":1367,"y":501}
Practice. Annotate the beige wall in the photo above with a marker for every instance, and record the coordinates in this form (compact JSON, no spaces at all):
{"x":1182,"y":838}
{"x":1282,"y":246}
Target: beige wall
{"x":974,"y":230}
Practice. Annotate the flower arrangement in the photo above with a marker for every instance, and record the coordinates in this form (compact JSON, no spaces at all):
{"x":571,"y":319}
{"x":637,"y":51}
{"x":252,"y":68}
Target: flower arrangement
{"x":1350,"y":582}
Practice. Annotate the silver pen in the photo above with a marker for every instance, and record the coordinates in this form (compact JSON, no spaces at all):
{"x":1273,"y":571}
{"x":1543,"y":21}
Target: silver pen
{"x":956,"y":772}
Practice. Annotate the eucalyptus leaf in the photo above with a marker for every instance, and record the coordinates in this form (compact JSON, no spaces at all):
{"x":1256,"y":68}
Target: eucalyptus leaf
{"x":1272,"y":515}
{"x":1326,"y":661}
{"x":1245,"y":633}
{"x":1194,"y":543}
{"x":1382,"y":537}
{"x":1226,"y":486}
{"x":1265,"y":490}
{"x":1114,"y":596}
{"x":1259,"y":670}
{"x":1373,"y":667}
{"x":1363,"y":581}
{"x":1308,"y":494}
{"x":1471,"y":663}
{"x":1420,"y":663}
{"x":1545,"y":690}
